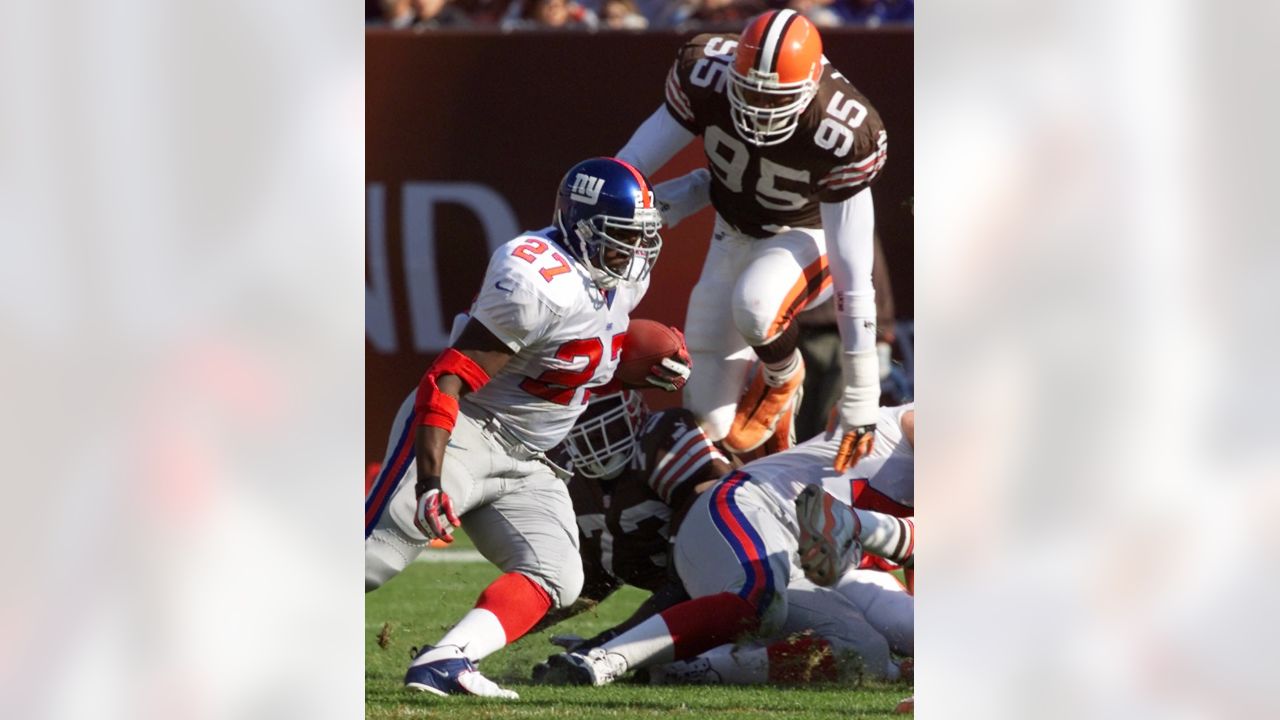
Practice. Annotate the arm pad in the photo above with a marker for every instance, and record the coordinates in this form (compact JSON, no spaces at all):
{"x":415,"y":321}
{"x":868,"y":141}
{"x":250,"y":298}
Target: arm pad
{"x":439,"y":409}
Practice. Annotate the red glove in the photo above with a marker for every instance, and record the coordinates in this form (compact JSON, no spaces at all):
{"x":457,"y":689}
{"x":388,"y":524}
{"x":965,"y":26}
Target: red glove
{"x":435,"y":516}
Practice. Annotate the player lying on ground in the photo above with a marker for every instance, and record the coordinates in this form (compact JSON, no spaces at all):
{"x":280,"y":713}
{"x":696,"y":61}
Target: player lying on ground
{"x":738,"y":554}
{"x":468,"y":447}
{"x":623,"y":456}
{"x":793,"y":149}
{"x":635,"y":477}
{"x":883,"y":481}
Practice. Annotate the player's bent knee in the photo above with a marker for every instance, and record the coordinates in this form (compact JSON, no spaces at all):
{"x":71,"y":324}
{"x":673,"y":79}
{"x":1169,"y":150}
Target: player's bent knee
{"x":753,"y":323}
{"x":563,"y":584}
{"x":568,"y":583}
{"x":385,"y":556}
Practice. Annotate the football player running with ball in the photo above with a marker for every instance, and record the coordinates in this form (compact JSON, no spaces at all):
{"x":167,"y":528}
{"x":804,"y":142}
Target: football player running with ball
{"x":793,"y":149}
{"x":467,"y":447}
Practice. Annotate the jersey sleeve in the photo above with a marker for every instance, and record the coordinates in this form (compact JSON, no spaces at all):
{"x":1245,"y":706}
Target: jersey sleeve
{"x":844,"y":181}
{"x":680,"y":455}
{"x":853,"y":136}
{"x":510,"y":306}
{"x":677,"y":97}
{"x":697,"y":76}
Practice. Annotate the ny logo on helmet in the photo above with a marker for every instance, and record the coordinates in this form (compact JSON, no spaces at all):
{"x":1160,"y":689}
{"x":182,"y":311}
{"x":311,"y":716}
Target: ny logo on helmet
{"x":586,"y":189}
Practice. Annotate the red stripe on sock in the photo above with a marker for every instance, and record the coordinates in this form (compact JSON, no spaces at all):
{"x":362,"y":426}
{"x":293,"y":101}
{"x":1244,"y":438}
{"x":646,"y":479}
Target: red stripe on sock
{"x":517,"y":601}
{"x":700,"y":624}
{"x":801,"y":659}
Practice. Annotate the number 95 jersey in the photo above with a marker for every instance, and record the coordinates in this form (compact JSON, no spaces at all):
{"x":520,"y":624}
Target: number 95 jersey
{"x":566,"y":333}
{"x":837,"y":150}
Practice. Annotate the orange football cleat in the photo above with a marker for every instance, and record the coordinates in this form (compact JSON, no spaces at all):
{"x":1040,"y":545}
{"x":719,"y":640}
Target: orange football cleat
{"x":761,"y":408}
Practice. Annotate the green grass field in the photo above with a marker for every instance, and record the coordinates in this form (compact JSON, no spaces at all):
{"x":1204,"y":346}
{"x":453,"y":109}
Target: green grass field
{"x":417,"y":607}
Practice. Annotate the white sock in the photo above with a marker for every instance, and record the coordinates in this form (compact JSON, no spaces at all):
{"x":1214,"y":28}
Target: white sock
{"x":885,"y":535}
{"x":775,"y":374}
{"x":739,"y":666}
{"x":646,"y":643}
{"x":476,"y":635}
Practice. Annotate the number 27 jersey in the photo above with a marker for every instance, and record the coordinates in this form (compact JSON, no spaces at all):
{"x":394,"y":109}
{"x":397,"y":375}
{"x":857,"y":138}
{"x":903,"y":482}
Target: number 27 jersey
{"x":838,"y":149}
{"x":566,"y":334}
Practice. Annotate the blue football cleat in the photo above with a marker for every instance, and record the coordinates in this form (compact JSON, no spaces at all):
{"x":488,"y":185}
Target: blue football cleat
{"x":450,"y":676}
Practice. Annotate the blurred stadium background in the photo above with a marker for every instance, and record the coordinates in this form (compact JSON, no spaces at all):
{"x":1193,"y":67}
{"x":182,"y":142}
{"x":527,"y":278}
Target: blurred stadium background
{"x":467,"y":134}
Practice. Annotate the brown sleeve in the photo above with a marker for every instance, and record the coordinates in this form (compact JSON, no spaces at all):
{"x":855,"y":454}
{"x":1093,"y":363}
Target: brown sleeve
{"x":700,"y":71}
{"x":854,"y":136}
{"x":678,"y":456}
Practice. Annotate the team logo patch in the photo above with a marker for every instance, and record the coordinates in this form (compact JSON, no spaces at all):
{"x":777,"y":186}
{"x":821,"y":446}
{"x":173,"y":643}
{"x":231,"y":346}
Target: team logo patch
{"x":586,"y":189}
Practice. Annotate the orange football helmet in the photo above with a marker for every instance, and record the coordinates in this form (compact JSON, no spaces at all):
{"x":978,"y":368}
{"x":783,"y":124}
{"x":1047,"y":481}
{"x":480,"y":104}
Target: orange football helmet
{"x":775,"y":75}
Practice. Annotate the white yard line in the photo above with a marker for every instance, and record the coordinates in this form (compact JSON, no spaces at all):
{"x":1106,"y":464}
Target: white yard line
{"x":450,"y":556}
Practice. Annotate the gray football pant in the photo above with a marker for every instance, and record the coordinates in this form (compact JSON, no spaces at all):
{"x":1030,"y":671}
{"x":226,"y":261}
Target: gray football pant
{"x":511,"y":501}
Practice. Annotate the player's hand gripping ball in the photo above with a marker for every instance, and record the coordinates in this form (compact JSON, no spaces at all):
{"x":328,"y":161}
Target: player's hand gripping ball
{"x":654,"y":355}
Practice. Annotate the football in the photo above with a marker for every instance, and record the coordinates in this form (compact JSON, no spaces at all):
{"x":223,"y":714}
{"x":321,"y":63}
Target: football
{"x":647,"y":342}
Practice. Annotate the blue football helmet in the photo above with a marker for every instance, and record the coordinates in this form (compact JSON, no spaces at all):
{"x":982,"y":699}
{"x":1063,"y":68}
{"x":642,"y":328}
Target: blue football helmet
{"x":605,"y":209}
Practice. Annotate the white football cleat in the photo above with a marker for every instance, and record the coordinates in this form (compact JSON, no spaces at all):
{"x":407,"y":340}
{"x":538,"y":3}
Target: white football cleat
{"x":697,"y":671}
{"x":597,"y":667}
{"x":828,"y":535}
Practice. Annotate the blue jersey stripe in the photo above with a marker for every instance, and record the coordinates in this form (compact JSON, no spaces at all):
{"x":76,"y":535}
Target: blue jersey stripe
{"x":755,"y":578}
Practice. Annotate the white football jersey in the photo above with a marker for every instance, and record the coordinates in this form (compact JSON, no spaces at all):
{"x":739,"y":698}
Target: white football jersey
{"x":566,"y":333}
{"x":889,"y":468}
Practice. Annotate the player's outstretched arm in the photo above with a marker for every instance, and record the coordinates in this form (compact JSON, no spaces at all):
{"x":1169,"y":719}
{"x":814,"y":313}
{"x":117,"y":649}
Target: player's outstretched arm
{"x":681,"y":197}
{"x":475,"y":357}
{"x":849,"y":226}
{"x":655,"y":142}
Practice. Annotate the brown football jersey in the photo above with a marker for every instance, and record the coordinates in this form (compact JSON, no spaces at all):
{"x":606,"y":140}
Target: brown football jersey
{"x":625,"y":523}
{"x":838,"y":149}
